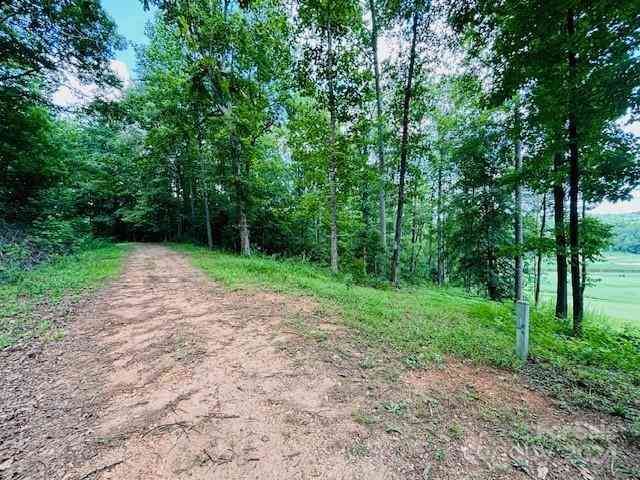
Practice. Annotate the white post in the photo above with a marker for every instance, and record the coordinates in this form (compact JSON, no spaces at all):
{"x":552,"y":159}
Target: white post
{"x":522,"y":330}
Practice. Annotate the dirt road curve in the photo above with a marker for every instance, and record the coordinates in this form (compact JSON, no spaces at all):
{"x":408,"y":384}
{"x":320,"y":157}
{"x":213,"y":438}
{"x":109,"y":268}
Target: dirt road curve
{"x":165,"y":376}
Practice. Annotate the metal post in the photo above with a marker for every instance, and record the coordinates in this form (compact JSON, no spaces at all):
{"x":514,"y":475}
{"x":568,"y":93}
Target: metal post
{"x":522,"y":330}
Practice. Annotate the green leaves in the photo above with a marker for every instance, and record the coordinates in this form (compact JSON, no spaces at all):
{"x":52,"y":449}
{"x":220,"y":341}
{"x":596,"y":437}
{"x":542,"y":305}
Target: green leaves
{"x":37,"y":39}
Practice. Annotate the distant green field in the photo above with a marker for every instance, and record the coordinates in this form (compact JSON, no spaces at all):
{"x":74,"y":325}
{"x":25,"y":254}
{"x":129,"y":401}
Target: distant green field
{"x":614,"y":289}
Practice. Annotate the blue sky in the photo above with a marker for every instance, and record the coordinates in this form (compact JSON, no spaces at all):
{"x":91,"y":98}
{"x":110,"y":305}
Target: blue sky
{"x":131,"y":19}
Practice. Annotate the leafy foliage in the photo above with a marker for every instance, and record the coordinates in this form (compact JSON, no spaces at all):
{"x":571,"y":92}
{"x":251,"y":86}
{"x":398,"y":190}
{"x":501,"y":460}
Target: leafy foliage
{"x":38,"y":39}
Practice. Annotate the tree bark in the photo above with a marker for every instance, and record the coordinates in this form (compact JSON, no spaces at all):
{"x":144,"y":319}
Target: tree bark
{"x":380,"y":130}
{"x":583,"y":282}
{"x":404,"y":148}
{"x":192,"y":202}
{"x":364,"y":208}
{"x":414,"y":231}
{"x":243,"y":226}
{"x":439,"y":232}
{"x":574,"y":185}
{"x":205,"y":193}
{"x":560,"y":236}
{"x":332,"y":156}
{"x":519,"y":267}
{"x":207,"y":219}
{"x":181,"y":192}
{"x":543,"y":225}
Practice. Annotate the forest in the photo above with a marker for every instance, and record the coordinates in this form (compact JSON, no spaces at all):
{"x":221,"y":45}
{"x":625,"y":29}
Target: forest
{"x":394,"y":141}
{"x":626,"y":231}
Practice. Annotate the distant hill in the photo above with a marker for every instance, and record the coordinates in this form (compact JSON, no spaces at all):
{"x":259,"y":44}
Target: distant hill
{"x":626,"y":229}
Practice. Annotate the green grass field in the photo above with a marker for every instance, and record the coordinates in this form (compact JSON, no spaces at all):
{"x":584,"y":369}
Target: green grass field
{"x":65,"y":277}
{"x":613,"y":292}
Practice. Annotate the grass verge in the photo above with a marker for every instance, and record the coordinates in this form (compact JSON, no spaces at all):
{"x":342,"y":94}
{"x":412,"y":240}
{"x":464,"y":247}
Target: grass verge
{"x":66,"y":277}
{"x":599,"y":371}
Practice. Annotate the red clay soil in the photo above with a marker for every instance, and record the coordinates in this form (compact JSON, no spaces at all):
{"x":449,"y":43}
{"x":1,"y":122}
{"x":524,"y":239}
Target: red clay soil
{"x":165,"y":375}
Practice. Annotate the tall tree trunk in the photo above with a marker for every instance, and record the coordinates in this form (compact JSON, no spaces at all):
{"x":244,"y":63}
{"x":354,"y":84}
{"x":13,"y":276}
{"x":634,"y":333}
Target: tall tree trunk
{"x":560,"y":236}
{"x":192,"y":202}
{"x":404,"y":148}
{"x":380,"y":130}
{"x":205,"y":192}
{"x":439,"y":232}
{"x":332,"y":154}
{"x":181,"y":191}
{"x":543,"y":225}
{"x":492,"y":278}
{"x":414,"y":231}
{"x":583,"y":282}
{"x":243,"y":226}
{"x":429,"y":269}
{"x":574,"y":184}
{"x":207,"y":218}
{"x":519,"y":270}
{"x":364,"y":207}
{"x":245,"y":244}
{"x":179,"y":215}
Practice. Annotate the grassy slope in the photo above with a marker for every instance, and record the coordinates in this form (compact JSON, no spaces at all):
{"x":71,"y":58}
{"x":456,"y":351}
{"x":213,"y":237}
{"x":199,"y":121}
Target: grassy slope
{"x":600,"y":371}
{"x":67,"y":276}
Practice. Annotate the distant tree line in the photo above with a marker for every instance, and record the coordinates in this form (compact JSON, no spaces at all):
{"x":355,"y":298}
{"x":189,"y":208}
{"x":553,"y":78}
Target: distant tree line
{"x":625,"y":231}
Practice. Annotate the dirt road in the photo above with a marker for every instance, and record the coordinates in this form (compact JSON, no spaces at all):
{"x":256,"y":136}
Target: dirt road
{"x":165,"y":375}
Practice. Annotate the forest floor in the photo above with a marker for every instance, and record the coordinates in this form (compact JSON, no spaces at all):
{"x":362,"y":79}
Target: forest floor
{"x":165,"y":374}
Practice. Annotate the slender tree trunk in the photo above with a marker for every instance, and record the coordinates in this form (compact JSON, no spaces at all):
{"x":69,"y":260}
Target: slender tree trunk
{"x":207,"y":218}
{"x":380,"y":130}
{"x":192,"y":202}
{"x":432,"y":197}
{"x":364,"y":207}
{"x":414,"y":232}
{"x":492,"y":278}
{"x":181,"y":191}
{"x":539,"y":257}
{"x":332,"y":154}
{"x":245,"y":244}
{"x":205,"y":193}
{"x":583,"y":282}
{"x":243,"y":226}
{"x":574,"y":186}
{"x":404,"y":148}
{"x":560,"y":235}
{"x":519,"y":270}
{"x":439,"y":232}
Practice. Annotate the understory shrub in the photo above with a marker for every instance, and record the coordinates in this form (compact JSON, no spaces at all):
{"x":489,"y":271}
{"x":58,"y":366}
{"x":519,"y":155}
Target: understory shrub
{"x":23,"y":248}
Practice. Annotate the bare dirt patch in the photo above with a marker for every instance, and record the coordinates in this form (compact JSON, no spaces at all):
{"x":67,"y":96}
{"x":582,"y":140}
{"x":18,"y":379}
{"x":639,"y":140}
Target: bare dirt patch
{"x":165,"y":375}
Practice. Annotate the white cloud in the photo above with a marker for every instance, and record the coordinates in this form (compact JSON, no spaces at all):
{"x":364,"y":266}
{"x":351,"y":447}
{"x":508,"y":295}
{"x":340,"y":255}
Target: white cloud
{"x":72,"y":92}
